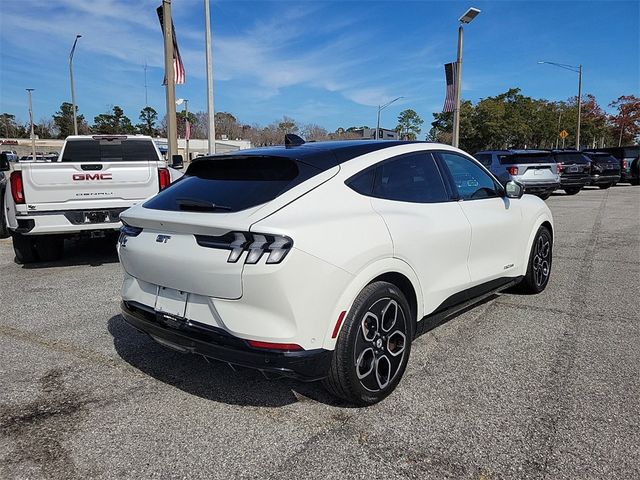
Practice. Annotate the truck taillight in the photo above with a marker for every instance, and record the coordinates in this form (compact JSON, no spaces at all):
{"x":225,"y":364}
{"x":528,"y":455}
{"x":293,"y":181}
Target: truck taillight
{"x":560,"y":167}
{"x":512,"y":170}
{"x":17,"y":189}
{"x":625,"y":165}
{"x":164,"y":179}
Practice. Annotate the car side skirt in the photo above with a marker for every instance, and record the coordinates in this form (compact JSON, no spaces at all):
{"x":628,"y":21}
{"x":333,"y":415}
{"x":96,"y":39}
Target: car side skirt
{"x":463,"y":300}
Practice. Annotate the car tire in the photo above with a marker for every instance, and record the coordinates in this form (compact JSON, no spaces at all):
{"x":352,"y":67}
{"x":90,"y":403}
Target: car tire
{"x":50,"y":247}
{"x":540,"y":261}
{"x":4,"y":231}
{"x":24,"y":248}
{"x":372,"y":351}
{"x":544,"y":196}
{"x":604,"y":187}
{"x":572,"y":191}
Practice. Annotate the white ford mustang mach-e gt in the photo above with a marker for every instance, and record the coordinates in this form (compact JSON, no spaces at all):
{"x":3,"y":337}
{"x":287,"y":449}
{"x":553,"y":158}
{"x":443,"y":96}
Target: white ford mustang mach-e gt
{"x":323,"y":261}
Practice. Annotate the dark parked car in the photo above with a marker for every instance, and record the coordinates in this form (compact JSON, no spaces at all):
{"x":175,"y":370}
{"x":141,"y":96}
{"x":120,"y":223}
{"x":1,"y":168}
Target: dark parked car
{"x":575,"y":170}
{"x":537,"y":170}
{"x":629,"y":161}
{"x":605,"y":169}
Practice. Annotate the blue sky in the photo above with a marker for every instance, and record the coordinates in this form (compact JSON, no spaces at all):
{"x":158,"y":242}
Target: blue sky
{"x":328,"y":63}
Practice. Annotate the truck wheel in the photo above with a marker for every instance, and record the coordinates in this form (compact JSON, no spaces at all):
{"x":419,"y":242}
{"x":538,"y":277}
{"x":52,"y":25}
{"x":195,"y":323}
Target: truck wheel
{"x":571,"y":191}
{"x":373,"y":347}
{"x":24,"y":248}
{"x":50,"y":247}
{"x":604,"y":187}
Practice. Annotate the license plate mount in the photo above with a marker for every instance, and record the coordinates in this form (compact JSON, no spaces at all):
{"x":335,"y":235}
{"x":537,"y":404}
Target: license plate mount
{"x":97,"y":216}
{"x":171,"y":302}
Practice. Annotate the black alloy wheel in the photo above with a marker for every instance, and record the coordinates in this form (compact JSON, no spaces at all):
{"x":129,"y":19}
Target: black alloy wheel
{"x":540,"y":260}
{"x":373,"y":347}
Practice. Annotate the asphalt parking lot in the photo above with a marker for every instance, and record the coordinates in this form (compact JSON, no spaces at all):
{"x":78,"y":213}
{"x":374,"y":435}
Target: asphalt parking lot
{"x":518,"y":387}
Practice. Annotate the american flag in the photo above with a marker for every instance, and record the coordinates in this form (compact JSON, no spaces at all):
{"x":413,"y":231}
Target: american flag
{"x":178,"y":67}
{"x":450,"y":71}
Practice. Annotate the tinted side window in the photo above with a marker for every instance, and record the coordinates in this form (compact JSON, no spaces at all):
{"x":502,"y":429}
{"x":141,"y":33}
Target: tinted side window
{"x":363,"y":182}
{"x":471,"y":180}
{"x":410,"y":178}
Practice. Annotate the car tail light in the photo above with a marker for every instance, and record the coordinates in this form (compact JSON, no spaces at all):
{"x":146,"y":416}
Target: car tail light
{"x":255,"y":244}
{"x":130,"y":230}
{"x":560,"y":167}
{"x":512,"y":170}
{"x":17,"y":188}
{"x":164,"y":178}
{"x":625,"y":165}
{"x":274,"y":346}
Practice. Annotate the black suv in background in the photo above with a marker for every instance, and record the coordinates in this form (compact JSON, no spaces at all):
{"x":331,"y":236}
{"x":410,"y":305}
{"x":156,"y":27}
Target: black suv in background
{"x":629,"y":161}
{"x":605,"y":169}
{"x":574,"y":169}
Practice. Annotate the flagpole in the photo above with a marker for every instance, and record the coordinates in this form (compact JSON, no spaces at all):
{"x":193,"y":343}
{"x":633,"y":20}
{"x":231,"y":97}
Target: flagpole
{"x":210,"y":111}
{"x":187,"y":127}
{"x":172,"y":127}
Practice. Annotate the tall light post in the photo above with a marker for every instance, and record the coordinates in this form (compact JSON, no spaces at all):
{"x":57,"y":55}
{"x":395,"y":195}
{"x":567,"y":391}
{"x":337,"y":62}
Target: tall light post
{"x":380,"y":108}
{"x":210,"y":111}
{"x":577,"y":70}
{"x":186,"y":122}
{"x":468,"y":16}
{"x":73,"y":94}
{"x":33,"y":136}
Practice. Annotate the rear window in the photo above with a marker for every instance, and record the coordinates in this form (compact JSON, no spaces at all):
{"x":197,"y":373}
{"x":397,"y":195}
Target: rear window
{"x":231,"y":184}
{"x":520,"y":158}
{"x":113,"y":150}
{"x":602,"y":157}
{"x":571,"y":158}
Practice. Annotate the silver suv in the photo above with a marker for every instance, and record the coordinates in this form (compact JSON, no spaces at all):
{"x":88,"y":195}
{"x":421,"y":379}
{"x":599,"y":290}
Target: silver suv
{"x":537,"y":170}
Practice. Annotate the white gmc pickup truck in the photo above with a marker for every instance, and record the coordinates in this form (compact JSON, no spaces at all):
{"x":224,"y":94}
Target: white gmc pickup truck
{"x":83,"y":193}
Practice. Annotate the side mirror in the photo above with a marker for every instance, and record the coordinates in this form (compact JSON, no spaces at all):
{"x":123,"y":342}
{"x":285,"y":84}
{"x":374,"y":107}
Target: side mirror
{"x":514,"y":189}
{"x":4,"y":163}
{"x":177,"y":162}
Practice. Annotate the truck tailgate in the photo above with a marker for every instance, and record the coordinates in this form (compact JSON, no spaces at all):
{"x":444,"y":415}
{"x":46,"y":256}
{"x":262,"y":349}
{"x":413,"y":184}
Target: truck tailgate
{"x":71,"y":182}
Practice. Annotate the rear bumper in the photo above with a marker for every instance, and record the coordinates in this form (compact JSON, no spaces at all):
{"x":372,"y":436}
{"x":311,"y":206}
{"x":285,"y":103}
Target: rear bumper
{"x":64,"y":222}
{"x":215,"y":343}
{"x":540,"y":187}
{"x":604,"y":179}
{"x":575,"y":180}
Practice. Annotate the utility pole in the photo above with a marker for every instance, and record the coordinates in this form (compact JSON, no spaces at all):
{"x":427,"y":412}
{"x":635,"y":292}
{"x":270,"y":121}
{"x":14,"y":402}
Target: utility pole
{"x":187,"y":133}
{"x":146,"y":98}
{"x":73,"y":94}
{"x":33,"y":136}
{"x":210,"y":110}
{"x":579,"y":106}
{"x":172,"y":127}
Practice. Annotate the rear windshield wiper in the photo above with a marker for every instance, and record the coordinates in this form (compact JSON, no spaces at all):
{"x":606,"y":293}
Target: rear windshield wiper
{"x":199,"y":205}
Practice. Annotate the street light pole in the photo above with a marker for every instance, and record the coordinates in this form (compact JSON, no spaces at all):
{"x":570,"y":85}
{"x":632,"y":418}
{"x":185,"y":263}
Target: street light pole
{"x":380,"y":108}
{"x":210,"y":110}
{"x":468,"y":16}
{"x":33,"y":136}
{"x":73,"y":94}
{"x":578,"y":70}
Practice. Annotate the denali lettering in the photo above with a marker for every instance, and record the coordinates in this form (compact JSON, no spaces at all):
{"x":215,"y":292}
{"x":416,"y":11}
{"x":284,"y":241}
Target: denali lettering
{"x":92,"y":176}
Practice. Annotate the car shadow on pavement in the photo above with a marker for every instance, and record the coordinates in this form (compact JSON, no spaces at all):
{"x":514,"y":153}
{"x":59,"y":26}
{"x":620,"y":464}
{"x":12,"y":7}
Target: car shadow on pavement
{"x":210,"y":379}
{"x":93,"y":252}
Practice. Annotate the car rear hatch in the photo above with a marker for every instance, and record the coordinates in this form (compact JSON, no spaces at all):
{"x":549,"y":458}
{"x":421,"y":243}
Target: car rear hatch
{"x":103,"y":168}
{"x":604,"y":164}
{"x":190,"y":230}
{"x":534,"y":167}
{"x":572,"y":163}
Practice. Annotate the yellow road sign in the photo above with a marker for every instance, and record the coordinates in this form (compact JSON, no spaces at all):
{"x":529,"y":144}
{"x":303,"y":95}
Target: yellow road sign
{"x":564,"y":134}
